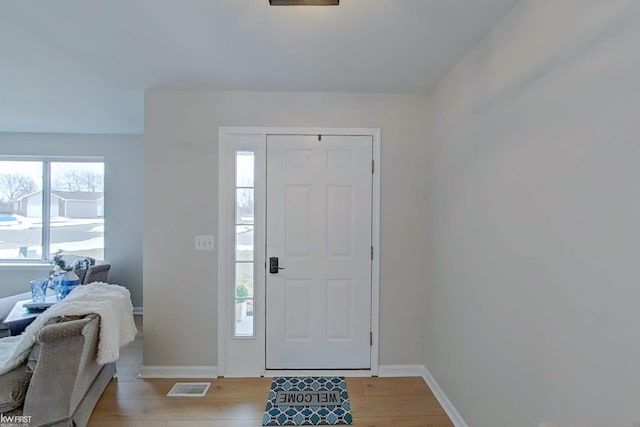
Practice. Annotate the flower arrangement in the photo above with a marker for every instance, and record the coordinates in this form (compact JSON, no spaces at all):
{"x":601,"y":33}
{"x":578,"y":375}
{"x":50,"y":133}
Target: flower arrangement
{"x":60,"y":265}
{"x":65,"y":274}
{"x":58,"y":262}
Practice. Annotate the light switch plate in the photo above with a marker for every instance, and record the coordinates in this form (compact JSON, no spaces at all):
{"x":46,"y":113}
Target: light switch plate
{"x":205,"y":243}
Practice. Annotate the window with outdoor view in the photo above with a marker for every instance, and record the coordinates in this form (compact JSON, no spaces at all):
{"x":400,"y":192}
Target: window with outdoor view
{"x":244,"y":251}
{"x":48,"y":205}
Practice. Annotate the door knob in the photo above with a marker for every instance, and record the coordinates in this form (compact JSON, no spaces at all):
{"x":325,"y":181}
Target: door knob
{"x":273,"y":265}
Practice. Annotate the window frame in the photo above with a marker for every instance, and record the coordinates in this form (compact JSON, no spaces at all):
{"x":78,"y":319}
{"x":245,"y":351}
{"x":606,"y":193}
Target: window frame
{"x":46,"y":199}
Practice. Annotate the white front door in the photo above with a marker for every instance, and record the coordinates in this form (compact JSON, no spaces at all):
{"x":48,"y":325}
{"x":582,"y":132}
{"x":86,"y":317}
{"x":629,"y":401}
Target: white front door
{"x":319,"y":216}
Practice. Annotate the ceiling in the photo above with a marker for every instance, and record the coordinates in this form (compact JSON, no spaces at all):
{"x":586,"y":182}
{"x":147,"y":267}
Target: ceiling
{"x":82,"y":66}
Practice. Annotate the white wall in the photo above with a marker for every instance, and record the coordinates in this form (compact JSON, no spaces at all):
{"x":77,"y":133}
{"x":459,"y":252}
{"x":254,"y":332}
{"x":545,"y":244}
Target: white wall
{"x":533,"y":178}
{"x":123,"y":156}
{"x":181,"y":129}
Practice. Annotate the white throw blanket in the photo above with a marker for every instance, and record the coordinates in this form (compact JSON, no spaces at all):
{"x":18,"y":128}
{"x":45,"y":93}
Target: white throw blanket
{"x":111,"y":302}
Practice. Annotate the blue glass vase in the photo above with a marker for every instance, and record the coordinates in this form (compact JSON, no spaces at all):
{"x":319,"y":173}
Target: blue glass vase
{"x":68,"y":281}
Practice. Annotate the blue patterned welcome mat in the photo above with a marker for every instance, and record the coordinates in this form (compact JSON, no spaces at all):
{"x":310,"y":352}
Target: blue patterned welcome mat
{"x":302,"y":401}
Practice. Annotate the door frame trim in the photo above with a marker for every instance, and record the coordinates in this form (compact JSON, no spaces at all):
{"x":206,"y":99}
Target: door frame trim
{"x":227,"y":344}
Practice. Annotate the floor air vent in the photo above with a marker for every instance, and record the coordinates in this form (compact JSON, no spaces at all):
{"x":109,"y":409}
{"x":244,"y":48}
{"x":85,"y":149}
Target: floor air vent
{"x":189,"y":390}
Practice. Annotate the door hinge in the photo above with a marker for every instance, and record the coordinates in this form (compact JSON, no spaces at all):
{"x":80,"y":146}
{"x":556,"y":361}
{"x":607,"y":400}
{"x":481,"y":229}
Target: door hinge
{"x":373,"y":167}
{"x":320,"y":138}
{"x":371,"y":252}
{"x":371,"y":338}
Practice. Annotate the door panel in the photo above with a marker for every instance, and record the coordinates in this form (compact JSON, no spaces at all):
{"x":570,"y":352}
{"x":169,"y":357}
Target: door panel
{"x":298,"y":220}
{"x":338,"y":317}
{"x":296,"y":309}
{"x":319,"y":197}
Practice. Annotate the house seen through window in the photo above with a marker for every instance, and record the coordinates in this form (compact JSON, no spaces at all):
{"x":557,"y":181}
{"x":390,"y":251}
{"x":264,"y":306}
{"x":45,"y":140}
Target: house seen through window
{"x":51,"y":205}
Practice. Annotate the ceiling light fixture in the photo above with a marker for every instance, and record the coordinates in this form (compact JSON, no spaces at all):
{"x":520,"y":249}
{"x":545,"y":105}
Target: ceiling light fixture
{"x":304,"y":2}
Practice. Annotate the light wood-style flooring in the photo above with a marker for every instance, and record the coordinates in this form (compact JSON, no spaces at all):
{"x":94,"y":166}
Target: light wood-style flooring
{"x":233,"y":402}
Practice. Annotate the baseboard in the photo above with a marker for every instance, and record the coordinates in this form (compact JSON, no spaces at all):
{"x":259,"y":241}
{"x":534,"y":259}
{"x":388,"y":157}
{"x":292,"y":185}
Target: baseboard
{"x":442,"y":398}
{"x":400,"y":370}
{"x":178,"y":372}
{"x":137,"y":310}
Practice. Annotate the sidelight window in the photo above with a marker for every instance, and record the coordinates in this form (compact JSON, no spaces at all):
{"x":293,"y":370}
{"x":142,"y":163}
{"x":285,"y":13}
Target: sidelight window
{"x":244,"y":261}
